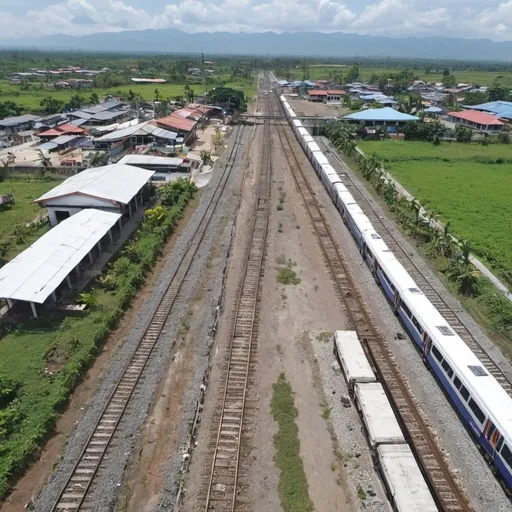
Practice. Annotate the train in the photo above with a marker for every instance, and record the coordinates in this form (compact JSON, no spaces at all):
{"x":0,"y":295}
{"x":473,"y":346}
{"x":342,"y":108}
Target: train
{"x":405,"y":485}
{"x":482,"y":403}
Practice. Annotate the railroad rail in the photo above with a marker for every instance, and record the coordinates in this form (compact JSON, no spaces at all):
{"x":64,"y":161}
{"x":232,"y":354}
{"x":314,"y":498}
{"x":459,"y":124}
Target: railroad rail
{"x":76,"y":493}
{"x":446,"y":490}
{"x":435,"y":298}
{"x":223,"y":481}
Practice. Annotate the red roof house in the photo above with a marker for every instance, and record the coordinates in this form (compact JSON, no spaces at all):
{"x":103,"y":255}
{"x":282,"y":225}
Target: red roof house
{"x":476,"y":120}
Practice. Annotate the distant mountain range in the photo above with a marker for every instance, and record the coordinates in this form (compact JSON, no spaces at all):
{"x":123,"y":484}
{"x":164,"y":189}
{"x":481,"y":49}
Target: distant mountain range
{"x":337,"y":44}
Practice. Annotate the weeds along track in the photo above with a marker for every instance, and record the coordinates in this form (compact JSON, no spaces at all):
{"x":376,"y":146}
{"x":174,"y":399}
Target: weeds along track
{"x":451,"y":316}
{"x":223,"y":466}
{"x":446,"y":490}
{"x":76,"y":493}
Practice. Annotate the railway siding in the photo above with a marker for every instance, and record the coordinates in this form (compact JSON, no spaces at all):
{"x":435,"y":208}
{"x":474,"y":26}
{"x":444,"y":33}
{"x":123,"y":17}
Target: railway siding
{"x":445,"y":487}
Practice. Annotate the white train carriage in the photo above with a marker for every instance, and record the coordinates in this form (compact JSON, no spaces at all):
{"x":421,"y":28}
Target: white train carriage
{"x":329,"y":177}
{"x":292,"y":112}
{"x":357,"y":222}
{"x":282,"y":98}
{"x":378,"y":417}
{"x":305,"y":138}
{"x":311,"y":148}
{"x":337,"y":188}
{"x":352,"y":359}
{"x":296,"y":126}
{"x":344,"y":199}
{"x":407,"y":488}
{"x":318,"y":160}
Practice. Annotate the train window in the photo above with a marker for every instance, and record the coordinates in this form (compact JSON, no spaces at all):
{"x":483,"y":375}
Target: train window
{"x":500,"y":444}
{"x":477,"y":411}
{"x":414,"y":290}
{"x":507,"y":455}
{"x":464,"y":392}
{"x":406,"y":310}
{"x":417,"y":325}
{"x":479,"y":371}
{"x":457,"y":382}
{"x":445,"y":330}
{"x":447,"y":368}
{"x":375,"y":236}
{"x":436,"y":353}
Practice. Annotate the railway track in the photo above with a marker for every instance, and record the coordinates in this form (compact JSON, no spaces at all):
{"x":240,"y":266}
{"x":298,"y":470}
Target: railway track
{"x":76,"y":493}
{"x":435,"y":298}
{"x":222,"y":487}
{"x":448,"y":494}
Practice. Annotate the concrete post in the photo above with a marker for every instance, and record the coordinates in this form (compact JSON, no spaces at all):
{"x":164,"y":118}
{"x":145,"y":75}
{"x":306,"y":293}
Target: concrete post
{"x":99,"y":245}
{"x":10,"y":303}
{"x":90,"y":257}
{"x":130,"y":209}
{"x":34,"y":311}
{"x":54,"y":296}
{"x":136,"y":203}
{"x":68,"y":280}
{"x":120,"y":223}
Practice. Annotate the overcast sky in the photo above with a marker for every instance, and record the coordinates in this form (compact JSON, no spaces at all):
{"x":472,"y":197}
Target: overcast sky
{"x":455,"y":18}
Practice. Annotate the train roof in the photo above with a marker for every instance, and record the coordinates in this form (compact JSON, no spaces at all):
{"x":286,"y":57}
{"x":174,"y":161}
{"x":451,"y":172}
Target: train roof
{"x":297,"y":123}
{"x":378,"y":416}
{"x":282,"y":98}
{"x":329,"y":169}
{"x":347,"y":198}
{"x":320,"y":157}
{"x":481,"y":384}
{"x":404,"y":479}
{"x":354,"y":363}
{"x":313,"y":146}
{"x":340,"y":188}
{"x":354,"y":209}
{"x":360,"y":219}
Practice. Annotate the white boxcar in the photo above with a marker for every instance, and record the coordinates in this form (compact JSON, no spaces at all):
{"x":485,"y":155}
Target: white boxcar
{"x":378,"y":416}
{"x":352,"y":358}
{"x":407,"y":487}
{"x":311,"y":148}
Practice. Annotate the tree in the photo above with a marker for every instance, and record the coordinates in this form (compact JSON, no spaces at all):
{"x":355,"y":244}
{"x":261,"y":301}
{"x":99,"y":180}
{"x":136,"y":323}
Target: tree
{"x":449,"y":81}
{"x":157,"y":94}
{"x":44,"y":161}
{"x":497,"y":93}
{"x":94,"y":98}
{"x":51,"y":105}
{"x":75,"y":102}
{"x":463,"y":270}
{"x":353,"y":74}
{"x":446,"y":72}
{"x":206,"y":157}
{"x":9,"y":108}
{"x":189,"y":93}
{"x":463,"y":134}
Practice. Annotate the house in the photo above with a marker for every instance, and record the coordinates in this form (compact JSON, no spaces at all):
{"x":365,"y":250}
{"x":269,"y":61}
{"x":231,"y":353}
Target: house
{"x":61,"y":143}
{"x":317,"y":95}
{"x":334,"y":95}
{"x":11,"y":125}
{"x":149,"y":80}
{"x":375,"y":117}
{"x":166,"y":168}
{"x":184,"y":127}
{"x":500,"y":109}
{"x":478,"y":121}
{"x":139,"y":134}
{"x":116,"y":188}
{"x":40,"y":273}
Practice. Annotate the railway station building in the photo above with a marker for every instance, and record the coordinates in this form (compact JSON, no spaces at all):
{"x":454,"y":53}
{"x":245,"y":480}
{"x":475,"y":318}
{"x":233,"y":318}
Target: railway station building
{"x":116,"y":188}
{"x":54,"y":265}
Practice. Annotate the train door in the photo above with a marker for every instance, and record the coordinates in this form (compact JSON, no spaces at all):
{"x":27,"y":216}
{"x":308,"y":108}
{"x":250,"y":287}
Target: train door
{"x":427,"y":343}
{"x":491,"y":433}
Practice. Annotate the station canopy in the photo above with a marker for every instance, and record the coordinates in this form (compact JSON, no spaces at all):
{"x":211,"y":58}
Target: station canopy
{"x":37,"y":272}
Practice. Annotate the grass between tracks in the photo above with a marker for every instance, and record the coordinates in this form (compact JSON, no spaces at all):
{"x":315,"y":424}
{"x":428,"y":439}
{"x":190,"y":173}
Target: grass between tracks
{"x":293,"y":486}
{"x":42,"y":360}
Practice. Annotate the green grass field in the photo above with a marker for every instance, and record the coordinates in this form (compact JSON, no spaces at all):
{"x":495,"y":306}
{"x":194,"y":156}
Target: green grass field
{"x":30,"y":99}
{"x":25,"y":189}
{"x":455,"y":180}
{"x":323,"y":71}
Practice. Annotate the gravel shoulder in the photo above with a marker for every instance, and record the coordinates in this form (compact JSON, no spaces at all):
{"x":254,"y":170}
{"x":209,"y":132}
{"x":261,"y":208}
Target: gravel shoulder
{"x":110,"y":479}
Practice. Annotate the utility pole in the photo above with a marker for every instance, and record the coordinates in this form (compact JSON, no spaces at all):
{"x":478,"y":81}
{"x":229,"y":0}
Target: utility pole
{"x":203,"y":75}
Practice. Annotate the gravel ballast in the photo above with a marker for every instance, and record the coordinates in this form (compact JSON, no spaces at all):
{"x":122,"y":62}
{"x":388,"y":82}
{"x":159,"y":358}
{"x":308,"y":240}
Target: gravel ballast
{"x":111,"y":471}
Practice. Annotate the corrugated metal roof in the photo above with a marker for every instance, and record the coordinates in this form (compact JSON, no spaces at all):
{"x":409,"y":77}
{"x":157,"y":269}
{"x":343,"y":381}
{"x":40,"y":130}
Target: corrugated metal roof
{"x":79,"y":113}
{"x":64,"y":139}
{"x":37,"y":272}
{"x":177,"y":122}
{"x":13,"y":121}
{"x":139,"y":129}
{"x":381,"y":114}
{"x":118,"y":183}
{"x":50,"y":133}
{"x":476,"y":117}
{"x":151,"y":160}
{"x":101,"y":107}
{"x":500,"y":108}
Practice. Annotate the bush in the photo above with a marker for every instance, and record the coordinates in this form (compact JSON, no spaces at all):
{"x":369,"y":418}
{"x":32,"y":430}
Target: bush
{"x":504,"y":137}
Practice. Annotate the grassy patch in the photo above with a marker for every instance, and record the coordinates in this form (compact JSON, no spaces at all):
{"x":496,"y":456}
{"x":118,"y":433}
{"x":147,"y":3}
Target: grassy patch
{"x":464,"y":185}
{"x":44,"y":358}
{"x":286,"y":275}
{"x":293,"y":486}
{"x":326,"y":412}
{"x":14,"y":237}
{"x":360,"y":493}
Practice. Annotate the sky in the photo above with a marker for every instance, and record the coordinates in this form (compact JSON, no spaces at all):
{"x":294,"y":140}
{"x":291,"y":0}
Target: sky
{"x":471,"y":19}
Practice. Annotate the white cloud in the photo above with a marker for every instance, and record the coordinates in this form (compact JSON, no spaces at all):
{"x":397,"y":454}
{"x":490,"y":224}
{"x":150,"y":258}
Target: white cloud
{"x":395,"y":18}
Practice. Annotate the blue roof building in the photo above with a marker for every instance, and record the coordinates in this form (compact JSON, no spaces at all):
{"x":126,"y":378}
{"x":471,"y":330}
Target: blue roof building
{"x":283,"y":83}
{"x":309,"y":83}
{"x":501,"y":109}
{"x":386,"y":115}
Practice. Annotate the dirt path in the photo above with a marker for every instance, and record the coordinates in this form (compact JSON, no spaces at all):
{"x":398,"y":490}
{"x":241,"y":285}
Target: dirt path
{"x":288,"y":314}
{"x":32,"y":482}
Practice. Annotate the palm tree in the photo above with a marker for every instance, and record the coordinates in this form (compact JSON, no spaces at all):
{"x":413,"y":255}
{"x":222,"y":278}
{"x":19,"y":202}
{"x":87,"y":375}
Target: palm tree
{"x":157,"y":95}
{"x":44,"y":161}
